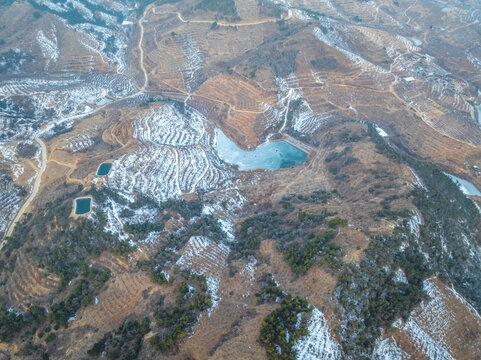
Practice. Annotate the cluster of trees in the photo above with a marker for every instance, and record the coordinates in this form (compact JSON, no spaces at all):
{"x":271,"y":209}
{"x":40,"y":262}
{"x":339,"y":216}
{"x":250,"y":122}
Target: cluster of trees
{"x":387,"y":212}
{"x":124,"y":343}
{"x":255,"y":229}
{"x":143,"y":229}
{"x":301,"y":240}
{"x":207,"y":226}
{"x":339,"y":160}
{"x":301,"y":256}
{"x":347,"y":137}
{"x":269,"y":290}
{"x":12,"y":323}
{"x":337,"y":221}
{"x":169,"y":323}
{"x":96,"y":276}
{"x":9,"y":62}
{"x":325,"y":63}
{"x":226,"y":8}
{"x":155,"y":264}
{"x":81,"y":296}
{"x":26,"y":150}
{"x":283,"y":63}
{"x":449,"y":217}
{"x":197,"y":225}
{"x":66,"y":252}
{"x":174,"y":322}
{"x":316,"y":197}
{"x":371,"y":298}
{"x":267,"y":8}
{"x":74,"y":16}
{"x":280,"y":329}
{"x":369,"y":295}
{"x":186,"y":209}
{"x":30,"y":228}
{"x":75,"y":241}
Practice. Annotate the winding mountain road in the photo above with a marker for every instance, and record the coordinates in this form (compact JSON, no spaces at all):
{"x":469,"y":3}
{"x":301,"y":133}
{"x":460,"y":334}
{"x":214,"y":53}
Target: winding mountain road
{"x":141,"y":50}
{"x":34,"y":192}
{"x":235,"y":24}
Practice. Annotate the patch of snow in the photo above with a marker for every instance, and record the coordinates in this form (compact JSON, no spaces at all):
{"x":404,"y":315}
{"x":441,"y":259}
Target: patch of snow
{"x":48,"y":47}
{"x":213,"y":290}
{"x":249,"y":271}
{"x":418,"y":181}
{"x":174,"y":156}
{"x":54,"y":101}
{"x":193,"y":64}
{"x":205,"y":257}
{"x":414,"y":223}
{"x":319,"y":344}
{"x":388,"y":349}
{"x":400,"y":276}
{"x":381,"y":132}
{"x":430,"y":327}
{"x":465,"y":303}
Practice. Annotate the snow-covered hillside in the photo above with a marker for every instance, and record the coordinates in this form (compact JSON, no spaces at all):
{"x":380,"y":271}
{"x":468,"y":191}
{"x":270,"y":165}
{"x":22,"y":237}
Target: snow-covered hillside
{"x":29,"y":103}
{"x":174,"y":156}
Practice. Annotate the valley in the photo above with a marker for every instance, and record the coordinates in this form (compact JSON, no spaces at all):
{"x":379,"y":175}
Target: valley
{"x":187,"y":176}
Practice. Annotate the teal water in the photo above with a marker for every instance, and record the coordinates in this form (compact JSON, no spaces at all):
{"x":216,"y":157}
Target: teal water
{"x":272,"y":155}
{"x":82,"y":206}
{"x":104,"y":169}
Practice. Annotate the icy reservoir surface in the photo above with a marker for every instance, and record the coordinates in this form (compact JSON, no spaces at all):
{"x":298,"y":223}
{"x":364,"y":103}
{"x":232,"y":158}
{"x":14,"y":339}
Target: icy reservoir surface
{"x":478,"y":108}
{"x":466,"y":187}
{"x":271,"y":155}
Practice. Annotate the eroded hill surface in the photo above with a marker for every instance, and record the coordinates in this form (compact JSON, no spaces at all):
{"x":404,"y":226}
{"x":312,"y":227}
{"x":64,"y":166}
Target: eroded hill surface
{"x":366,"y":250}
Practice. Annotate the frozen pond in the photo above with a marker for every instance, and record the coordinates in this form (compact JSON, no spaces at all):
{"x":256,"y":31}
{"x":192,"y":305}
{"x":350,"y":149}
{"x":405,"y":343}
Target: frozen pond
{"x":466,"y":187}
{"x":104,"y":101}
{"x":415,"y":41}
{"x":271,"y":155}
{"x":82,"y":206}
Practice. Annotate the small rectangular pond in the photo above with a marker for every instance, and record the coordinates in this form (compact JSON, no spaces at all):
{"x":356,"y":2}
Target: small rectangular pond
{"x":104,"y":169}
{"x":271,"y":155}
{"x":82,"y":206}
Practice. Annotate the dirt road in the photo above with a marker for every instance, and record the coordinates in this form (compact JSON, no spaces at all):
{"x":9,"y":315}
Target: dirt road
{"x":34,"y":192}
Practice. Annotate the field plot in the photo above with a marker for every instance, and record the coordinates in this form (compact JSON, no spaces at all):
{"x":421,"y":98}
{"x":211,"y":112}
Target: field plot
{"x":246,"y":104}
{"x":146,"y":86}
{"x":29,"y":284}
{"x":36,"y":102}
{"x":174,"y":156}
{"x":444,"y":327}
{"x":79,"y":142}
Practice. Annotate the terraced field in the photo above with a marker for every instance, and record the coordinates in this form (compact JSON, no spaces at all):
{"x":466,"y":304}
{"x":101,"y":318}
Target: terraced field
{"x":146,"y":85}
{"x":174,"y":146}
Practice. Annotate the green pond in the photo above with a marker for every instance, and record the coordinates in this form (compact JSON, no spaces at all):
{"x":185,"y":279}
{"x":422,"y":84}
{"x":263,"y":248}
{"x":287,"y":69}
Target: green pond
{"x":271,"y":155}
{"x":82,"y":206}
{"x":104,"y":169}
